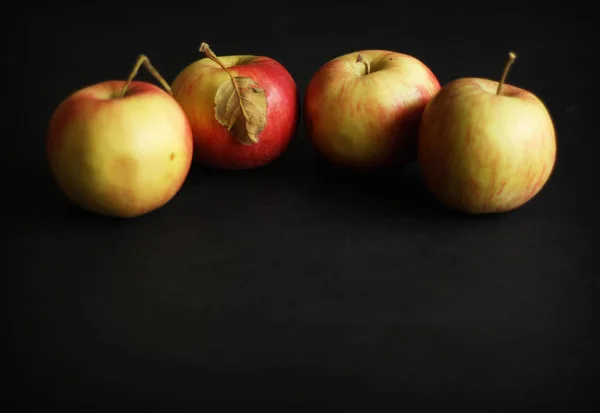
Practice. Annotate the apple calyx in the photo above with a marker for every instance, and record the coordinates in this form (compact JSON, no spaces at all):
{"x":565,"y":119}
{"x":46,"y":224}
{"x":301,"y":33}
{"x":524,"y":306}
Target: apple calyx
{"x":360,"y":59}
{"x":143,"y":60}
{"x":240,"y":104}
{"x":511,"y":59}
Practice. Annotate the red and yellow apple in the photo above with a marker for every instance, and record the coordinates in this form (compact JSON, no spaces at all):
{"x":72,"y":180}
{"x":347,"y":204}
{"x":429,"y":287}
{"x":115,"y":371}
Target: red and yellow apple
{"x":486,"y":146}
{"x":243,"y":109}
{"x":120,"y":148}
{"x":362,"y":109}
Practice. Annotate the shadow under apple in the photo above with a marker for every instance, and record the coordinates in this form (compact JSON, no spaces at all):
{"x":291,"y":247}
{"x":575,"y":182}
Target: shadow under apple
{"x":38,"y":205}
{"x":309,"y":182}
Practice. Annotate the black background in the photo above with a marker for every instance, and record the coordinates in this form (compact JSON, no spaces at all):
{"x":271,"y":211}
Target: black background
{"x":295,"y":287}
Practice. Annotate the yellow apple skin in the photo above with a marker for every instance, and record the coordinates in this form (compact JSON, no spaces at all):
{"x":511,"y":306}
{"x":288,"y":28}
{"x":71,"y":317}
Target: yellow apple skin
{"x":480,"y":152}
{"x":368,"y":121}
{"x":120,"y":157}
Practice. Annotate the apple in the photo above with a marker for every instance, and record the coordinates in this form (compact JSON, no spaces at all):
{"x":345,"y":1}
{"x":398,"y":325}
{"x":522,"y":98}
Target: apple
{"x":120,"y":148}
{"x":486,"y":146}
{"x":362,"y":109}
{"x":243,"y":109}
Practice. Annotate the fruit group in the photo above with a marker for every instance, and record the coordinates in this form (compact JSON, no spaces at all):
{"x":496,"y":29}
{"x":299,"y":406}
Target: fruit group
{"x":243,"y":109}
{"x":120,"y":148}
{"x":486,"y":146}
{"x":362,"y":109}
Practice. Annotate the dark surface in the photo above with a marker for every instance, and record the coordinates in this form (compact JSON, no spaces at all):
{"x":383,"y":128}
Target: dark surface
{"x":293,"y":286}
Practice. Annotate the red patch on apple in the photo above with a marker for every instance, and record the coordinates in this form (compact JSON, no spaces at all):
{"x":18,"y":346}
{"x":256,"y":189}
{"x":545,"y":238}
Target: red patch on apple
{"x":367,"y":116}
{"x":214,"y":144}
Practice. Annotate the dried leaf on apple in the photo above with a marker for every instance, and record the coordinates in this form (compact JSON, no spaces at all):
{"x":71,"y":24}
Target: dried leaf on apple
{"x":241,"y":107}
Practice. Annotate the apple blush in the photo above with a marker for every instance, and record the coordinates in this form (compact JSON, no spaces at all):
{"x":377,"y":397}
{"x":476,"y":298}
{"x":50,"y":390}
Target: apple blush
{"x":243,"y":109}
{"x":120,"y":148}
{"x":362,"y":109}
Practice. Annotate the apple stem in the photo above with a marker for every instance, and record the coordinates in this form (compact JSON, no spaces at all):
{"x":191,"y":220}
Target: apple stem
{"x":205,"y":48}
{"x":360,"y":59}
{"x":143,"y":60}
{"x":511,"y":59}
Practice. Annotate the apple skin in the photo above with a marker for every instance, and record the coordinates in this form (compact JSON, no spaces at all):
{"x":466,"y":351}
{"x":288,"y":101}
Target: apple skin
{"x":479,"y":152}
{"x":119,"y":157}
{"x":368,"y":121}
{"x":195,"y":88}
